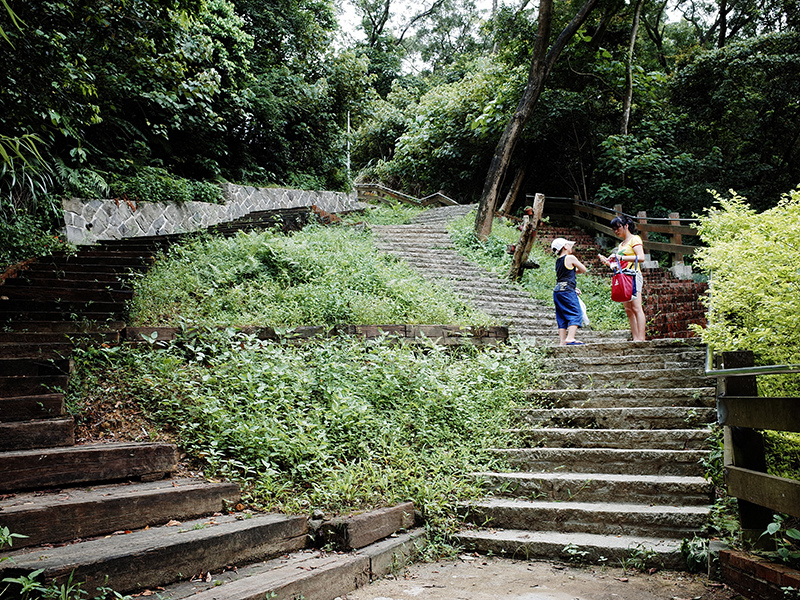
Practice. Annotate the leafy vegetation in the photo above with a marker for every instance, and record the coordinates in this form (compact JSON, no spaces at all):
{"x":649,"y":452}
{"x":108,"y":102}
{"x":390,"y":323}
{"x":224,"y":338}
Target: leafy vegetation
{"x":333,"y":424}
{"x":492,"y":254}
{"x":754,"y":263}
{"x":320,"y":276}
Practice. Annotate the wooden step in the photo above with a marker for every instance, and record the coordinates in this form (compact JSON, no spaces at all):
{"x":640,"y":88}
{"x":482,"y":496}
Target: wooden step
{"x":310,"y":574}
{"x":60,"y":326}
{"x":72,"y":513}
{"x":21,"y":408}
{"x":39,"y":469}
{"x":70,"y":294}
{"x":31,"y":385}
{"x":160,"y":555}
{"x":26,"y":367}
{"x":49,"y":337}
{"x":40,"y":433}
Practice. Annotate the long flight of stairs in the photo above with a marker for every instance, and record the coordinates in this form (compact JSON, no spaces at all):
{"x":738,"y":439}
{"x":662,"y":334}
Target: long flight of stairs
{"x":608,"y":464}
{"x":116,"y":514}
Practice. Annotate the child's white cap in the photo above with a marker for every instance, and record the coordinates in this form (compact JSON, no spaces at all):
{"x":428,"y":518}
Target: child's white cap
{"x":558,"y":244}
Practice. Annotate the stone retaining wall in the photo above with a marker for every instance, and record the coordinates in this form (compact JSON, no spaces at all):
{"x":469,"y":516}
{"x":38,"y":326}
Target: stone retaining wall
{"x":89,"y":221}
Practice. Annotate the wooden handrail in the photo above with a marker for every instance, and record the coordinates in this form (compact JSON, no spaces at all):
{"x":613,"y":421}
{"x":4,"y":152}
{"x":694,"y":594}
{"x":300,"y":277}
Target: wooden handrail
{"x":376,"y":191}
{"x":743,"y":415}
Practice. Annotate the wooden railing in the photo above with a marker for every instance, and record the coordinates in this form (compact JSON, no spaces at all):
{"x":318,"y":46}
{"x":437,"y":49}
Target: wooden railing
{"x":744,"y":414}
{"x":595,"y":217}
{"x":372,"y":192}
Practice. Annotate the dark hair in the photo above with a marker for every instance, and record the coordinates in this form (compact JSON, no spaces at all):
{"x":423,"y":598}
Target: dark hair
{"x":623,"y":220}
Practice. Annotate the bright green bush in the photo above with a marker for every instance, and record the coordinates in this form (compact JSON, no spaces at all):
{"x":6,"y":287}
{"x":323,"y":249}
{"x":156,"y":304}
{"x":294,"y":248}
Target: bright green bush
{"x":335,"y":423}
{"x":754,"y":264}
{"x":320,"y":276}
{"x":24,"y":237}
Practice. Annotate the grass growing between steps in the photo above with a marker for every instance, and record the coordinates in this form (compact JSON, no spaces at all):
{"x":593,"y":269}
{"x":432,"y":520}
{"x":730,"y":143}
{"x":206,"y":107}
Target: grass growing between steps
{"x":318,"y":276}
{"x":604,"y":314}
{"x":333,"y":424}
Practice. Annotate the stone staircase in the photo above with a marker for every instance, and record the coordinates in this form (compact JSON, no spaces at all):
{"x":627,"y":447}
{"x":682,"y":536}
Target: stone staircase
{"x":607,"y":464}
{"x":116,"y":514}
{"x":426,"y":246}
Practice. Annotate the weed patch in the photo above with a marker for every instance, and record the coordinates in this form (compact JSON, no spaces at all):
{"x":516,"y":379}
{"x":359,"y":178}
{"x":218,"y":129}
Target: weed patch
{"x":335,"y":424}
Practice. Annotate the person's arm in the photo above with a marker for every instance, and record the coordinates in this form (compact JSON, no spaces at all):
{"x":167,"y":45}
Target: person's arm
{"x":572,"y":262}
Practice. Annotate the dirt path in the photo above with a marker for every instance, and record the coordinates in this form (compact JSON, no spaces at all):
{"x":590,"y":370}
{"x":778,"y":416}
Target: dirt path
{"x":488,"y":578}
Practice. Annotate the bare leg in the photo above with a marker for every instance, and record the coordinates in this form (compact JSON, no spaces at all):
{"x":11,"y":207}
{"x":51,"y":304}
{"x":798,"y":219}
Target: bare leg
{"x":636,"y":318}
{"x":562,"y":336}
{"x":571,"y":331}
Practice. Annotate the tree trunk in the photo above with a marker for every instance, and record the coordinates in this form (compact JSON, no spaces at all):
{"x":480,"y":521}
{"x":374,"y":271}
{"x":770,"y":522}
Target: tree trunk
{"x":628,"y":102}
{"x":541,"y":64}
{"x":513,"y":191}
{"x":530,"y":227}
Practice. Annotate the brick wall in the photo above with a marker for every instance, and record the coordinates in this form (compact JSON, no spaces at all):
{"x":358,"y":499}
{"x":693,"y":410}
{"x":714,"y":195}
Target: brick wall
{"x":757,"y":578}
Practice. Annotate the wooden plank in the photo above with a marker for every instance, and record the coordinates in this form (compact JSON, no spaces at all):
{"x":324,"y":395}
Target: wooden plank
{"x":20,"y":408}
{"x":44,"y":433}
{"x":357,"y":531}
{"x":57,"y":467}
{"x":776,"y":414}
{"x":85,"y":512}
{"x":776,"y":493}
{"x":649,"y":245}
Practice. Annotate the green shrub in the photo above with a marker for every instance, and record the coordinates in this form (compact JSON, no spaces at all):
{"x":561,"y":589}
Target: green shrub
{"x":153,"y":184}
{"x":25,"y":237}
{"x":754,"y":265}
{"x":319,"y":276}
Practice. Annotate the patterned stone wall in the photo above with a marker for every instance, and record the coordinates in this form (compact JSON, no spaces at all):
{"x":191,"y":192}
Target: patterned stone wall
{"x":88,"y":221}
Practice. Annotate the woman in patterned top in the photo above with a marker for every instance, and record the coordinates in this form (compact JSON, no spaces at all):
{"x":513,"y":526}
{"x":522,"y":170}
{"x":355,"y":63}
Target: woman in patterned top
{"x":629,"y":250}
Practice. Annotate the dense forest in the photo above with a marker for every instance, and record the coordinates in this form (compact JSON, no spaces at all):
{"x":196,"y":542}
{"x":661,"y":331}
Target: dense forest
{"x":649,"y":103}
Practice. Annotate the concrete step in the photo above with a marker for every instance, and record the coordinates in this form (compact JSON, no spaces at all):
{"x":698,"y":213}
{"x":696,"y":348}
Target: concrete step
{"x":153,"y":557}
{"x":640,"y":378}
{"x":602,"y":487}
{"x":601,"y":518}
{"x":682,"y":360}
{"x":308,"y":574}
{"x":57,"y":467}
{"x":21,"y":408}
{"x":664,"y":439}
{"x":68,"y":514}
{"x":40,"y":433}
{"x":583,"y":547}
{"x":621,"y":418}
{"x":625,"y":398}
{"x":676,"y":463}
{"x":620,"y":350}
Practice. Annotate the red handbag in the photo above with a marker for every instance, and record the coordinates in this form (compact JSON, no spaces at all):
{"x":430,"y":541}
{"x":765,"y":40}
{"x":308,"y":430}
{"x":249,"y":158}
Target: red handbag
{"x":623,"y":284}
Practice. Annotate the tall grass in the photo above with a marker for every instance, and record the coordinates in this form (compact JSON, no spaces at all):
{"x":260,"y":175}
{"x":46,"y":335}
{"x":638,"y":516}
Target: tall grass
{"x":319,"y":276}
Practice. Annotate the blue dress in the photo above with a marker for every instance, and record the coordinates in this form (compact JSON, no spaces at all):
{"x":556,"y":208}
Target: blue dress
{"x":565,"y":296}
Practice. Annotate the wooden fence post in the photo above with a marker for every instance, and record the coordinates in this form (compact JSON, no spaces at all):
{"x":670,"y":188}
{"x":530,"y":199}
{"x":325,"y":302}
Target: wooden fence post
{"x":530,"y":224}
{"x":641,"y":217}
{"x":744,"y":447}
{"x":677,"y":238}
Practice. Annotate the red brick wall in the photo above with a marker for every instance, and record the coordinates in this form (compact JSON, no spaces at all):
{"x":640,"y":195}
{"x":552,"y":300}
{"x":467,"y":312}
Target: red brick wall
{"x":755,"y":577}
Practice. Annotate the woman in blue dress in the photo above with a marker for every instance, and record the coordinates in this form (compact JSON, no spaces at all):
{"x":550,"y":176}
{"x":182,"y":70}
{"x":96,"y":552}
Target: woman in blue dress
{"x":569,"y":314}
